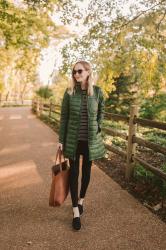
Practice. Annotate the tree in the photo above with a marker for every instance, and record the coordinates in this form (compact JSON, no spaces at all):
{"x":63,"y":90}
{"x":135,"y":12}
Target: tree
{"x":26,"y":29}
{"x":44,"y":92}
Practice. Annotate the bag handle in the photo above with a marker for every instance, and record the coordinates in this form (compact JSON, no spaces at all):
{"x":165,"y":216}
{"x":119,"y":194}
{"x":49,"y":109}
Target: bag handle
{"x":59,"y":153}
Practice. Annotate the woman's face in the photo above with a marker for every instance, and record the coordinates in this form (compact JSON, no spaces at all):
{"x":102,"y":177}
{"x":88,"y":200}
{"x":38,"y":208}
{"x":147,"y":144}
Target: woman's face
{"x":80,"y":73}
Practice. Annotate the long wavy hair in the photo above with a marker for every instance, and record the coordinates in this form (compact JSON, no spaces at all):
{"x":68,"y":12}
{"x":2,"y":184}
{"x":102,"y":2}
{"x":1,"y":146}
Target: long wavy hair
{"x":90,"y":79}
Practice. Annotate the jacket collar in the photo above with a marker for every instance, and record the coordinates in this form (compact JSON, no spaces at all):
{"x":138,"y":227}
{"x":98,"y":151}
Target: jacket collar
{"x":78,"y":86}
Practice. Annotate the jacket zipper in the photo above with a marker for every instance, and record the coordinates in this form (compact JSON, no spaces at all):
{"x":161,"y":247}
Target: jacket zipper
{"x":78,"y":129}
{"x":88,"y":119}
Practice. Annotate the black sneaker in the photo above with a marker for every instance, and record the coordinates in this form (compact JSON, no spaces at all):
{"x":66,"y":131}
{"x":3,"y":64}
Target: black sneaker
{"x":80,"y":207}
{"x":76,"y":223}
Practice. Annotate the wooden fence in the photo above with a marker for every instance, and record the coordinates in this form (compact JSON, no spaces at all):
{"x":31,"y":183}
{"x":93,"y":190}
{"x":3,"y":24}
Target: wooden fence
{"x":15,"y":102}
{"x":131,"y":137}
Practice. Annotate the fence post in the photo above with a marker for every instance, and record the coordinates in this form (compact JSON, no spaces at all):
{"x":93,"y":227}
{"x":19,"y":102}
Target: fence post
{"x":37,"y":107}
{"x":50,"y":107}
{"x":33,"y":105}
{"x":41,"y":107}
{"x":130,"y":145}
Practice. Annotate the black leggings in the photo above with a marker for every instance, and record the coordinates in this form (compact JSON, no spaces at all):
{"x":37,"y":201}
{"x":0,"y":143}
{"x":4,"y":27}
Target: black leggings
{"x":82,"y":148}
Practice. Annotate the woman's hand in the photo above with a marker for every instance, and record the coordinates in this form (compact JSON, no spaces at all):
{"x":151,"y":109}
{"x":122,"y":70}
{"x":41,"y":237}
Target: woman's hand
{"x":60,"y":145}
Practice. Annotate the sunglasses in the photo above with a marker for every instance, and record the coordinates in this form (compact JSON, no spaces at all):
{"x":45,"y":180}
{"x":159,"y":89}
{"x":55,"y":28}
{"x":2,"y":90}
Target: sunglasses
{"x":79,"y":71}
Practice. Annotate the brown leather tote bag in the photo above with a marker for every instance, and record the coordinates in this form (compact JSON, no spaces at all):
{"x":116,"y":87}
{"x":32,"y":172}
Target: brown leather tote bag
{"x":60,"y":181}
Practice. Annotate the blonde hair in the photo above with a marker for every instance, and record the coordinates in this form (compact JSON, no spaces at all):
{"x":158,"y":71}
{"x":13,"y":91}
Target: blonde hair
{"x":90,"y":79}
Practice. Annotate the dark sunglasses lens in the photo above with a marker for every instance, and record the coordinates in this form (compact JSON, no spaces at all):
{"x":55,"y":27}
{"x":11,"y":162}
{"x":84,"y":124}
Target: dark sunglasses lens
{"x":79,"y":71}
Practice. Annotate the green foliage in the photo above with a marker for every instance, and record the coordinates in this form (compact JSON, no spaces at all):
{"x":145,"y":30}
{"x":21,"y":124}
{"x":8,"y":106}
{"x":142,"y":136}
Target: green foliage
{"x":122,"y":96}
{"x":26,"y":28}
{"x":140,"y":173}
{"x":154,"y":107}
{"x":163,"y":168}
{"x":44,"y":92}
{"x":146,"y":176}
{"x":156,"y":136}
{"x":127,"y":52}
{"x":1,"y":87}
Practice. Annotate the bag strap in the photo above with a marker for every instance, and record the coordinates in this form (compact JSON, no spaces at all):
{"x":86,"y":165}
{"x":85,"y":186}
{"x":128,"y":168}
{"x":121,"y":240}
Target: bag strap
{"x":59,"y":153}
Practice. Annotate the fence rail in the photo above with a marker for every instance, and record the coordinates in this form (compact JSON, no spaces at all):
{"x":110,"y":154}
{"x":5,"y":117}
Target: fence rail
{"x":132,"y":139}
{"x":15,"y":102}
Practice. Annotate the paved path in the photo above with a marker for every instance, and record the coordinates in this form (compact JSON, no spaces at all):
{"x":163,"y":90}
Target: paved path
{"x":112,"y":218}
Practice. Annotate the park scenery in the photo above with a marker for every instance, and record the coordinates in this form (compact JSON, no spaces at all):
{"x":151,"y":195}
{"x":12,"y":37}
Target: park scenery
{"x":125,"y":44}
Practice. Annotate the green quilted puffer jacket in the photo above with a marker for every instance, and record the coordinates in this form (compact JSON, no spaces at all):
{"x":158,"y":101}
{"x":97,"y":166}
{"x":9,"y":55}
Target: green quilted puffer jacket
{"x":70,"y":121}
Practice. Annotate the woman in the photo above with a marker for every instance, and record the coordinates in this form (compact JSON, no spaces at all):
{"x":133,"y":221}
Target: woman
{"x":82,"y":113}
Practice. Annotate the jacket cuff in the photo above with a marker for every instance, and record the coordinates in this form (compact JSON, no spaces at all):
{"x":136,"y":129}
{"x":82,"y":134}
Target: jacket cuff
{"x":99,"y":128}
{"x":60,"y":141}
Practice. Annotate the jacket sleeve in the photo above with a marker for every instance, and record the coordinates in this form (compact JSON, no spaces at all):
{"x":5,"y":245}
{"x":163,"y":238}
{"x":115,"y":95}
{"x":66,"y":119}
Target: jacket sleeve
{"x":64,"y":117}
{"x":101,"y":108}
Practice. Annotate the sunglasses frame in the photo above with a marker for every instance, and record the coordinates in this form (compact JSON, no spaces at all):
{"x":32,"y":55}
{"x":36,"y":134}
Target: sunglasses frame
{"x":79,"y":71}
